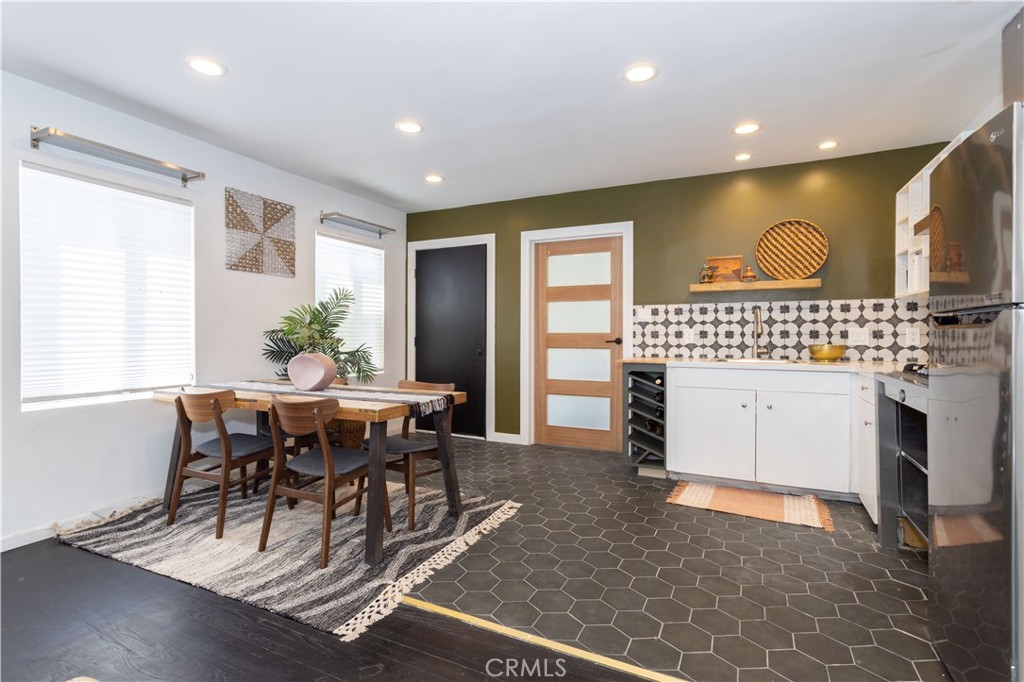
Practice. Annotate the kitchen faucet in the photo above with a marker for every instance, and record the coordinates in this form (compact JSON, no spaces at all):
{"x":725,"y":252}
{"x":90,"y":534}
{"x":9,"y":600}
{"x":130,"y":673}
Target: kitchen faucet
{"x":759,"y":349}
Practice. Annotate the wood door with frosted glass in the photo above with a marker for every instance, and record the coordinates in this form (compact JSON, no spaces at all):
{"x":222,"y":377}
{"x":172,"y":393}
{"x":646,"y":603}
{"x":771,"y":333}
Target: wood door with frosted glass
{"x":578,"y":341}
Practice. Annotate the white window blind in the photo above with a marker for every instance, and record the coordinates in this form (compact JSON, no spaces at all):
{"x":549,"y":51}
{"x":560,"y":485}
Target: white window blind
{"x":106,"y":289}
{"x":360,"y":269}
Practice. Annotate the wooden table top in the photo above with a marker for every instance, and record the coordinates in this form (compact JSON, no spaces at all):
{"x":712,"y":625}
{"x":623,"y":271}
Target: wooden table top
{"x":356,"y":410}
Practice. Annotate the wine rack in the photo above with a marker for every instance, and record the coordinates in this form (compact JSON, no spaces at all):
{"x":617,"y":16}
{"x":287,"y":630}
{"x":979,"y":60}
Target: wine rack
{"x":644,"y":414}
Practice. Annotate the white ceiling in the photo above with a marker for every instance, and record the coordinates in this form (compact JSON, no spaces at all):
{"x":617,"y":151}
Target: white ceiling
{"x":522,"y":99}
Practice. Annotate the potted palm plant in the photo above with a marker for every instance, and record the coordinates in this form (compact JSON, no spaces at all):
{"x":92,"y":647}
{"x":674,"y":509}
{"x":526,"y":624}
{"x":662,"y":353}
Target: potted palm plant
{"x":312,"y":329}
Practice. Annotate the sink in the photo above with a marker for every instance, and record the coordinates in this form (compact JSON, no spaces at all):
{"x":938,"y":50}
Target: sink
{"x":752,"y":361}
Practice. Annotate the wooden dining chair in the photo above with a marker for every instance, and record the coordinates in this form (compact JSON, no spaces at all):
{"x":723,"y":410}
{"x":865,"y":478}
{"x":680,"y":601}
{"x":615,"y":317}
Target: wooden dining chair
{"x":234,"y":450}
{"x":335,"y":466}
{"x":412,"y":452}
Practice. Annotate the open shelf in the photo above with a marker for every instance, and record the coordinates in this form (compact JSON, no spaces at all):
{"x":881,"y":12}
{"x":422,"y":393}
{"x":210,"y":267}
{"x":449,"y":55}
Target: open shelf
{"x":758,"y":285}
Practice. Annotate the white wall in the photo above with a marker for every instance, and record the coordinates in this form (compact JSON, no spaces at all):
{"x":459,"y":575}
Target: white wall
{"x":59,"y":464}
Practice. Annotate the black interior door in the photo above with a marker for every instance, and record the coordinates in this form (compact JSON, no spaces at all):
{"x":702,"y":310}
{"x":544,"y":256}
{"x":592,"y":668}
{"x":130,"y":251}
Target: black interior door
{"x":451,"y":329}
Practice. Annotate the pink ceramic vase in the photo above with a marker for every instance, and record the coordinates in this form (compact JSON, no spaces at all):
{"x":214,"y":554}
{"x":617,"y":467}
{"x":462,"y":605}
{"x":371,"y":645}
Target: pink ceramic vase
{"x":312,"y":371}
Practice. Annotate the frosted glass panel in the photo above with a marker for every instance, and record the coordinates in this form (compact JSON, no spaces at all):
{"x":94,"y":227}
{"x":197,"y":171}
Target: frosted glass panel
{"x":580,"y":268}
{"x":581,"y":412}
{"x":580,"y":317}
{"x":579,"y":364}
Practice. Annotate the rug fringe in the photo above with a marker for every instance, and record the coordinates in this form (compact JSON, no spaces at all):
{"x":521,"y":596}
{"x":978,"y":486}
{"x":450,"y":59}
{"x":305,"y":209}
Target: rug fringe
{"x":824,"y":514}
{"x":677,"y":492}
{"x":391,"y":596}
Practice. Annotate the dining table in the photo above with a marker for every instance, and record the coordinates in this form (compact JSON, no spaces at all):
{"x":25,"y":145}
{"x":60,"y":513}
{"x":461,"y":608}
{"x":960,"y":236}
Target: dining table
{"x":370,"y":404}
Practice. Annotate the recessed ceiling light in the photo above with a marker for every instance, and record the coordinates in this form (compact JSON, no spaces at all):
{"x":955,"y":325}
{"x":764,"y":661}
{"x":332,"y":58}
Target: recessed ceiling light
{"x":409,"y":127}
{"x":207,"y":67}
{"x":828,"y":144}
{"x":747,"y":128}
{"x":743,"y":157}
{"x":434,"y":178}
{"x":640,"y":73}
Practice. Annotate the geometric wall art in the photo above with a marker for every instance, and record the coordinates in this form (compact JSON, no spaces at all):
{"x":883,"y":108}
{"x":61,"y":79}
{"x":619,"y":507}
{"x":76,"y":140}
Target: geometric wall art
{"x":260,"y":234}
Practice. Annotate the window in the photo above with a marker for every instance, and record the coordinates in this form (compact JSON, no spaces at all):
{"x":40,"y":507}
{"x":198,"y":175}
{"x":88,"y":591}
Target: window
{"x":107,"y":293}
{"x":360,"y":269}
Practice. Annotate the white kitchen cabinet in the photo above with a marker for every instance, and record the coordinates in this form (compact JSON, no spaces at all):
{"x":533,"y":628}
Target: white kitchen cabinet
{"x":723,"y":451}
{"x":778,"y":427}
{"x":803,"y":440}
{"x":867,"y":456}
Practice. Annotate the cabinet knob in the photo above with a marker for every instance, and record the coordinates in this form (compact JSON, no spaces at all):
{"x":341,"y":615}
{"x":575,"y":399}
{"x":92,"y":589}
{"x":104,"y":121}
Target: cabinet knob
{"x":867,"y":423}
{"x":863,"y":388}
{"x":743,"y":404}
{"x":769,"y":407}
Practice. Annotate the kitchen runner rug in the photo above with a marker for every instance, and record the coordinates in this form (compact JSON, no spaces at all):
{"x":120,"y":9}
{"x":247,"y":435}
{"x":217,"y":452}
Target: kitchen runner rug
{"x":344,"y":599}
{"x":807,"y":510}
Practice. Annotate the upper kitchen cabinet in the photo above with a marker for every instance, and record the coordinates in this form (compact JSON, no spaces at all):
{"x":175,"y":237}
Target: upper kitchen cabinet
{"x":914,"y":230}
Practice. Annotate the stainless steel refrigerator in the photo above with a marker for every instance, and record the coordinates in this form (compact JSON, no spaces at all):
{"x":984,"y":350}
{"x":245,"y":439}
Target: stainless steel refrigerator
{"x":976,"y":403}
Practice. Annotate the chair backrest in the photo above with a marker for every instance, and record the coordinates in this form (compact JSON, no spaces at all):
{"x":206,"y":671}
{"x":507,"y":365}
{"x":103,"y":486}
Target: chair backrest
{"x":424,"y":386}
{"x":201,"y":407}
{"x":302,"y":416}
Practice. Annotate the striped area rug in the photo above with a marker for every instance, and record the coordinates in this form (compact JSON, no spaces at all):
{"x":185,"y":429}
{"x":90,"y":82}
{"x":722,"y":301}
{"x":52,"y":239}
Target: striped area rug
{"x":344,"y":598}
{"x":807,"y":510}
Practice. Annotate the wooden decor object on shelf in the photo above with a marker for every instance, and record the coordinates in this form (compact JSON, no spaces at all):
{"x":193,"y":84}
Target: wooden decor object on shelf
{"x":791,"y":249}
{"x":937,"y":239}
{"x":725,"y":268}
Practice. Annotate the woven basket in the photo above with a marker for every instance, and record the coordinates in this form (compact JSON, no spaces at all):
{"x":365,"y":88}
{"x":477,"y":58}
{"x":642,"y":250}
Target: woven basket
{"x":791,"y":249}
{"x":351,"y":432}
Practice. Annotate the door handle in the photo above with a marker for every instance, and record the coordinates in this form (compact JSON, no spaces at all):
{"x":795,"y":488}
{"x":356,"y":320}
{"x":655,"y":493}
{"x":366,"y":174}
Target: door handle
{"x":769,"y":407}
{"x":617,"y":341}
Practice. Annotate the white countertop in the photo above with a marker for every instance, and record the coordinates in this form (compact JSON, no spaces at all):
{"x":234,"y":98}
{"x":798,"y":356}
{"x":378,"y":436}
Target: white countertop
{"x":852,"y":367}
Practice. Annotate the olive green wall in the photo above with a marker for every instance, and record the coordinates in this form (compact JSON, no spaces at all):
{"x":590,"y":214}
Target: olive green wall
{"x":677,"y":223}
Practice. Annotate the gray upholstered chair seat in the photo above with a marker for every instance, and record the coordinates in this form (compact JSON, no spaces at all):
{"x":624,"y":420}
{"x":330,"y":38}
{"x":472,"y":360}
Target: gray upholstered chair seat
{"x":311,"y":463}
{"x":396,"y":445}
{"x":242,"y":445}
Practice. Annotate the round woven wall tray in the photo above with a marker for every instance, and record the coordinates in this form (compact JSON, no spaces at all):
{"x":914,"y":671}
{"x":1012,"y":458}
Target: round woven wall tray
{"x":791,"y":249}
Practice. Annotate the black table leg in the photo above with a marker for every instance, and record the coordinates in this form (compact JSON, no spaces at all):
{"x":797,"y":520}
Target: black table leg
{"x":446,"y":454}
{"x":172,"y":467}
{"x":375,"y":496}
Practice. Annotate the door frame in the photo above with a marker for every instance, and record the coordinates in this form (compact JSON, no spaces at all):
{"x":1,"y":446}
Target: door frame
{"x":531,"y":238}
{"x":410,"y":311}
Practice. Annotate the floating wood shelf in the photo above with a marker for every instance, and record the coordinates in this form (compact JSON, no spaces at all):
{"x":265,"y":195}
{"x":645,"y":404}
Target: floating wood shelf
{"x":759,"y":285}
{"x":959,"y":277}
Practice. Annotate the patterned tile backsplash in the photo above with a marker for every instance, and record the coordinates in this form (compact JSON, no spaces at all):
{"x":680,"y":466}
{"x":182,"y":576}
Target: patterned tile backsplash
{"x":874,"y":329}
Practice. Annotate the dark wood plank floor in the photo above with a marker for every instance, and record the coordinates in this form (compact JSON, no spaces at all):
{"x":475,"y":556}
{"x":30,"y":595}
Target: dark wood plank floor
{"x":66,"y":612}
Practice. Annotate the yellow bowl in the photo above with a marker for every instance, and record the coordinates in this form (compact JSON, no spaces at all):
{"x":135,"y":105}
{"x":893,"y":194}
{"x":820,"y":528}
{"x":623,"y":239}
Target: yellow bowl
{"x":826,"y":351}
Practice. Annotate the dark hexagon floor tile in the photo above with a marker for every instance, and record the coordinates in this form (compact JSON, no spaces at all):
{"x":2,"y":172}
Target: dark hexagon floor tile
{"x":867,"y":571}
{"x":652,"y":587}
{"x":898,"y":590}
{"x":623,"y":598}
{"x":742,"y":548}
{"x":797,"y":666}
{"x":863,"y":616}
{"x":678,"y":577}
{"x":762,"y":565}
{"x":637,"y":624}
{"x":821,"y":648}
{"x":715,"y":622}
{"x":765,"y":596}
{"x":740,"y":651}
{"x":686,"y":637}
{"x":741,"y":575}
{"x":592,"y":612}
{"x":663,"y":559}
{"x":569,"y":552}
{"x":478,"y":581}
{"x":781,"y":556}
{"x":552,"y":601}
{"x":786,"y":584}
{"x":558,"y":626}
{"x":882,"y":603}
{"x":931,"y":670}
{"x":654,"y":654}
{"x":851,"y":673}
{"x":604,"y":639}
{"x":718,"y":585}
{"x":707,"y":668}
{"x":723,"y":557}
{"x":768,"y":635}
{"x":702,"y":566}
{"x":804,"y":572}
{"x":639,"y":567}
{"x":516,"y":613}
{"x":513,"y":590}
{"x":612,"y":577}
{"x":602,"y":559}
{"x":760,"y":675}
{"x":576,"y":569}
{"x":741,"y":608}
{"x":848,"y":581}
{"x":790,"y":619}
{"x":665,"y":610}
{"x":540,"y":562}
{"x":844,"y":631}
{"x":478,"y":562}
{"x":707,"y":542}
{"x":822,"y":563}
{"x":546,"y":579}
{"x":918,"y":627}
{"x":885,"y":664}
{"x":626,"y":551}
{"x":902,"y":644}
{"x":441,"y":593}
{"x":813,"y":606}
{"x":833,"y":594}
{"x":694,"y":597}
{"x":477,"y":603}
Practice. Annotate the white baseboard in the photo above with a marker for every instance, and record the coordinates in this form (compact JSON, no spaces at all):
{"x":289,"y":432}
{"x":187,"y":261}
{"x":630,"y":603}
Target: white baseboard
{"x":499,"y":437}
{"x":27,"y":537}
